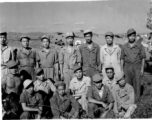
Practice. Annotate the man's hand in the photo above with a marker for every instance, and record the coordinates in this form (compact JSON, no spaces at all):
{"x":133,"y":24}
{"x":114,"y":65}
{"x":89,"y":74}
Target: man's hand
{"x":142,"y":72}
{"x":61,"y":117}
{"x":104,"y":105}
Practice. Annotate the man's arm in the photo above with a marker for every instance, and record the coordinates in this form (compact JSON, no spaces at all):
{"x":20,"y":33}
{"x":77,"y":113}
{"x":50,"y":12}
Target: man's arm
{"x":61,"y":61}
{"x":56,"y":65}
{"x":79,"y":57}
{"x":26,"y":108}
{"x":122,"y":57}
{"x":4,"y":79}
{"x":143,"y":56}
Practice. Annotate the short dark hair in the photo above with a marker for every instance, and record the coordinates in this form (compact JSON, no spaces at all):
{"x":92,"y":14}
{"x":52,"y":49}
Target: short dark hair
{"x":110,"y":69}
{"x":26,"y":38}
{"x":45,"y":38}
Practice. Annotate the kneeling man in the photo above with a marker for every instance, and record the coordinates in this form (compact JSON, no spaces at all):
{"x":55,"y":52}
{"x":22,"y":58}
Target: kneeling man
{"x":100,"y":98}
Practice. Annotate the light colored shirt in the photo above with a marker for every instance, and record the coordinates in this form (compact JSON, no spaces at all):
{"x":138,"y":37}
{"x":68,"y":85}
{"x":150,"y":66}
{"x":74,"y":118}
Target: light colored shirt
{"x":110,"y":58}
{"x":45,"y":86}
{"x":80,"y":86}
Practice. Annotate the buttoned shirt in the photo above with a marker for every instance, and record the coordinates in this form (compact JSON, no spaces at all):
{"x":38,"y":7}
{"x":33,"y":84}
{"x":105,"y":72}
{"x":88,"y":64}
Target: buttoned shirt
{"x":61,"y":106}
{"x":80,"y":86}
{"x":33,"y":101}
{"x":125,"y":96}
{"x":48,"y":59}
{"x":132,"y":54}
{"x":110,"y":58}
{"x":6,"y":55}
{"x":45,"y":86}
{"x":107,"y":97}
{"x":69,"y":59}
{"x":90,"y":57}
{"x":27,"y":60}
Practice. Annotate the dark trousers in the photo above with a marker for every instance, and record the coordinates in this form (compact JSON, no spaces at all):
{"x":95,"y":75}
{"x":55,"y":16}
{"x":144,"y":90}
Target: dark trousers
{"x":133,"y":77}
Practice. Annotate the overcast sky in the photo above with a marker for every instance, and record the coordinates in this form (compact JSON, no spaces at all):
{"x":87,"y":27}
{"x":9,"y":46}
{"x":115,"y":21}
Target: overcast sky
{"x":100,"y":16}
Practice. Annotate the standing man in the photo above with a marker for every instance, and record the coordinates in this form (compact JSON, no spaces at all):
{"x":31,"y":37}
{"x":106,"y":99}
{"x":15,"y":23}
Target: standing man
{"x":100,"y":98}
{"x":27,"y":58}
{"x":6,"y":54}
{"x":63,"y":105}
{"x":79,"y":86}
{"x":48,"y":59}
{"x":69,"y":56}
{"x":110,"y":55}
{"x":90,"y":53}
{"x":133,"y":61}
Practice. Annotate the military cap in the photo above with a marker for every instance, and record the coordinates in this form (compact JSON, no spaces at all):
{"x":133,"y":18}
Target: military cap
{"x":45,"y":37}
{"x":76,"y":67}
{"x":131,"y":31}
{"x":87,"y":32}
{"x":119,"y":76}
{"x":109,"y":34}
{"x":38,"y":71}
{"x":12,"y":64}
{"x":69,"y":34}
{"x":3,"y":33}
{"x":97,"y":78}
{"x":27,"y":83}
{"x":60,"y":83}
{"x":109,"y":67}
{"x":24,"y":36}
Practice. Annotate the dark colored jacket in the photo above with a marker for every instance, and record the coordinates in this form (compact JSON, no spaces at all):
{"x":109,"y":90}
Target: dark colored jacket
{"x":62,"y":107}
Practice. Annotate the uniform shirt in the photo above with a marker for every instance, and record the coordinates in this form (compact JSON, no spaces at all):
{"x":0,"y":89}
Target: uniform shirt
{"x":90,"y":57}
{"x":27,"y":60}
{"x":69,"y":59}
{"x":48,"y":59}
{"x":110,"y":84}
{"x":110,"y":58}
{"x":80,"y":86}
{"x":33,"y":101}
{"x":45,"y":86}
{"x":125,"y":96}
{"x":59,"y":106}
{"x":106,"y":96}
{"x":6,"y":54}
{"x":134,"y":54}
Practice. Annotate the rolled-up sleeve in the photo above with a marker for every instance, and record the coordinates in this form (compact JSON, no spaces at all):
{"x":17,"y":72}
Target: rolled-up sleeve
{"x":79,"y":57}
{"x":54,"y":108}
{"x":122,"y":56}
{"x":142,"y":53}
{"x":61,"y":57}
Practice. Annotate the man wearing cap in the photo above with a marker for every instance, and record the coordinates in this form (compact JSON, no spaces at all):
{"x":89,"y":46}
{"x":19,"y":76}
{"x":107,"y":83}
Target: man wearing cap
{"x":12,"y":82}
{"x":110,"y":55}
{"x":48,"y":59}
{"x":133,"y":61}
{"x":63,"y":105}
{"x":27,"y":58}
{"x":90,"y":53}
{"x":7,"y":54}
{"x":100,"y":98}
{"x":79,"y":86}
{"x":68,"y":57}
{"x":125,"y":98}
{"x":31,"y":102}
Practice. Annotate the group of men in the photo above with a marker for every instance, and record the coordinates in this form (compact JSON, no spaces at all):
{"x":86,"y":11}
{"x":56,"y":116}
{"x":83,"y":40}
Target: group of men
{"x":90,"y":80}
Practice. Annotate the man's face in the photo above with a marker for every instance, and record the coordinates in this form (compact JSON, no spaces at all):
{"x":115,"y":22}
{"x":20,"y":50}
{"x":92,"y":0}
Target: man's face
{"x":110,"y":73}
{"x":25,"y":42}
{"x":132,"y":37}
{"x":122,"y":82}
{"x":88,"y":38}
{"x":30,"y":89}
{"x":79,"y":74}
{"x":109,"y":40}
{"x":40,"y":76}
{"x":61,"y":90}
{"x":98,"y":85}
{"x":3,"y":39}
{"x":13,"y":70}
{"x":70,"y":40}
{"x":45,"y":43}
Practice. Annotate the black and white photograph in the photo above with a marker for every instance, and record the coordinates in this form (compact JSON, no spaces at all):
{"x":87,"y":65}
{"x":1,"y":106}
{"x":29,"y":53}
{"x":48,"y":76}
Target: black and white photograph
{"x":80,"y":59}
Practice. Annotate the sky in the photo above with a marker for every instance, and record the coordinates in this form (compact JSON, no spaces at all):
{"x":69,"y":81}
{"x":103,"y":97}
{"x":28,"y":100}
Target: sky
{"x":100,"y":16}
